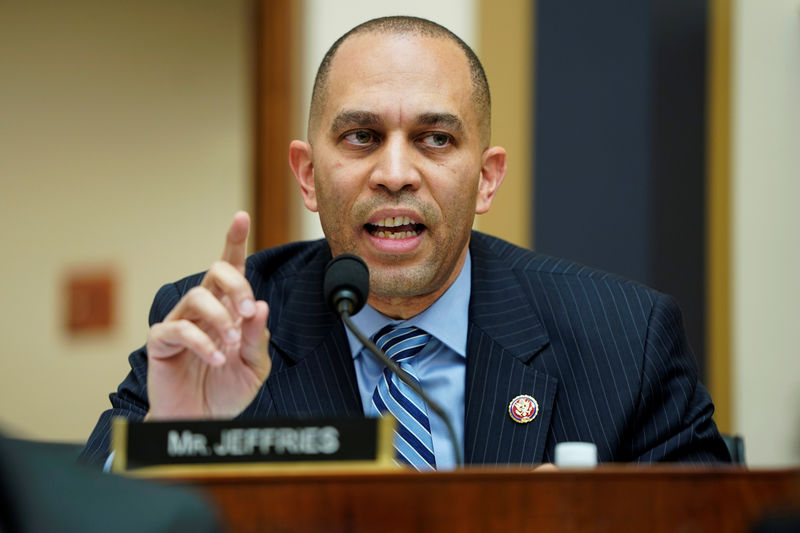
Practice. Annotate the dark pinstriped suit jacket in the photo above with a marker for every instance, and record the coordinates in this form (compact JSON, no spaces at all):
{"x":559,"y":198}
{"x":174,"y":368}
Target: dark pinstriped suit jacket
{"x":606,"y":359}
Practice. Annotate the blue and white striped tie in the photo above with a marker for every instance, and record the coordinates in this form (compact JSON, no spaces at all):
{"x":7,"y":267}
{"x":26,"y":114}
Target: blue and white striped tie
{"x":412,"y":440}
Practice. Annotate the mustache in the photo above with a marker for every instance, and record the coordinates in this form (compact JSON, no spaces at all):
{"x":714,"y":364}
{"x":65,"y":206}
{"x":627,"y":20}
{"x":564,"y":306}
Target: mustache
{"x":402,"y":199}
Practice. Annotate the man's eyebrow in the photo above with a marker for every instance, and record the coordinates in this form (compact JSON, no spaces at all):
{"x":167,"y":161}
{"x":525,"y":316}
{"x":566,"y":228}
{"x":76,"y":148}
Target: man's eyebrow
{"x":368,"y":119}
{"x":349,"y":119}
{"x":445,"y":120}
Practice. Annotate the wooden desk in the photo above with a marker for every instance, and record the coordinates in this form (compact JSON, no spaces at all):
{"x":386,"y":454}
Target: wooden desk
{"x":619,"y":498}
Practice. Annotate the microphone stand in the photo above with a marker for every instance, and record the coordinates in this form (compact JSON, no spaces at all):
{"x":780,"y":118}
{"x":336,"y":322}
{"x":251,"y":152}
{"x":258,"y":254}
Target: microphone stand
{"x":345,"y":306}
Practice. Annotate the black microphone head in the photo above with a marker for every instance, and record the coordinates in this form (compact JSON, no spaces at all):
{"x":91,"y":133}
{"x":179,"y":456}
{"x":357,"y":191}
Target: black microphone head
{"x":346,"y":280}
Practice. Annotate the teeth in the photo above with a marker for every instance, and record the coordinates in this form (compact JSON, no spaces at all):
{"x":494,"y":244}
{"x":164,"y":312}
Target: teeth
{"x":392,"y":222}
{"x":396,"y":234}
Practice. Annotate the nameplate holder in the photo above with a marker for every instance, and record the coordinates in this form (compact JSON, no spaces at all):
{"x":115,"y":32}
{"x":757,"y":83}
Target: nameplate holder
{"x":234,"y":447}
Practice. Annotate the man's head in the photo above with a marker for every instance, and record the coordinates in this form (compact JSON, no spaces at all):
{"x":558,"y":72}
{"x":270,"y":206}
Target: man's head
{"x":398,"y":162}
{"x":415,"y":26}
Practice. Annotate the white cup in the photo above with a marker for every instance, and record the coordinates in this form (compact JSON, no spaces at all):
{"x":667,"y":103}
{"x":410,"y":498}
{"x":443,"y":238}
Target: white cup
{"x":576,"y":455}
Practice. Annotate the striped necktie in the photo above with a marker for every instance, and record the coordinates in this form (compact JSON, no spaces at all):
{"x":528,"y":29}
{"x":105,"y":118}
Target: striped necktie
{"x":412,"y":441}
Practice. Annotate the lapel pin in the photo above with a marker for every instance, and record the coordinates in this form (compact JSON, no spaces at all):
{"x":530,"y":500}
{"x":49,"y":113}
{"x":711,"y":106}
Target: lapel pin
{"x":523,"y":409}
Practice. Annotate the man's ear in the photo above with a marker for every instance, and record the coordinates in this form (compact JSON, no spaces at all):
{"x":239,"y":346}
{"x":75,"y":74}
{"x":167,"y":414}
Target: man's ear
{"x":303,"y":169}
{"x":493,"y":170}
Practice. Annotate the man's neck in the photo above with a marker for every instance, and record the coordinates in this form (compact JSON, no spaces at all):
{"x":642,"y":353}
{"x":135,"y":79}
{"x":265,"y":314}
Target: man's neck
{"x":447,"y":318}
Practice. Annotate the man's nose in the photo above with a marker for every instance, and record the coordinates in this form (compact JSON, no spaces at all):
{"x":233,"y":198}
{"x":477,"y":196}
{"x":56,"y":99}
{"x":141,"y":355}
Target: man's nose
{"x":396,"y":168}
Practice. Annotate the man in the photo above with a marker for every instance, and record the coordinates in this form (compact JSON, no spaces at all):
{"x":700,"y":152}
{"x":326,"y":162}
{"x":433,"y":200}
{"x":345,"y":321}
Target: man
{"x":524,"y":351}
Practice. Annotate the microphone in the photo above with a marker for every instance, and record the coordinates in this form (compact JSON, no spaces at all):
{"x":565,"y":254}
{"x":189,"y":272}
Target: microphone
{"x":346,"y":284}
{"x":345,"y":288}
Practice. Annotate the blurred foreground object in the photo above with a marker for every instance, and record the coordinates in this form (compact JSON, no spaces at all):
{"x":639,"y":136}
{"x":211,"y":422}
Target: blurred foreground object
{"x":43,"y":489}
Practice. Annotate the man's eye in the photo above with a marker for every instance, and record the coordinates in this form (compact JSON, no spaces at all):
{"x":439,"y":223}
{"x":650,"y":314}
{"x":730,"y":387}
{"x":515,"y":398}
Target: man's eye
{"x":359,"y":137}
{"x":437,"y":140}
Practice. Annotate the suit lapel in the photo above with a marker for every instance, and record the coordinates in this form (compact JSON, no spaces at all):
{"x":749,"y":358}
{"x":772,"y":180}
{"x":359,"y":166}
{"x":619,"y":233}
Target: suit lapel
{"x":505,"y":334}
{"x":313,"y":373}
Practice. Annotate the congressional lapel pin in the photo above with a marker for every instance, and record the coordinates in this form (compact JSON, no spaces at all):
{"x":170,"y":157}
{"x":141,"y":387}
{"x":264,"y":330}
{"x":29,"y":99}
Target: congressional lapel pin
{"x":523,"y":409}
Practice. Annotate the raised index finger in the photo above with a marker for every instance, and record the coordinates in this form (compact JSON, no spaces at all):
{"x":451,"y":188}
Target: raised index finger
{"x":235,"y":251}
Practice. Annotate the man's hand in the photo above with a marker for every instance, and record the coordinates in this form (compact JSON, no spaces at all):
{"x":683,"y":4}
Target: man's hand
{"x":209,"y":357}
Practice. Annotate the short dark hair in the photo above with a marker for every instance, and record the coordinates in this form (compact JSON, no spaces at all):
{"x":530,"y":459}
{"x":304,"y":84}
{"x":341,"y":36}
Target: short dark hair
{"x":415,"y":26}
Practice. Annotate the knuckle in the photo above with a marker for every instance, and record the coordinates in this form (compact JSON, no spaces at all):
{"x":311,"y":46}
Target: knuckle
{"x":155,"y":333}
{"x":217,"y":266}
{"x":195,"y":295}
{"x":224,"y":277}
{"x":184,"y":326}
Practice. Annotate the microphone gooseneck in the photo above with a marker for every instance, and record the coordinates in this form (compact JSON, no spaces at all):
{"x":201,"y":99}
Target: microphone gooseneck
{"x":345,"y":288}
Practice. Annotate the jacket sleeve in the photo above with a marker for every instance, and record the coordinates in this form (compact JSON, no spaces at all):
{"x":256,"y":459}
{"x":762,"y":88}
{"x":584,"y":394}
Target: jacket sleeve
{"x":673,"y":417}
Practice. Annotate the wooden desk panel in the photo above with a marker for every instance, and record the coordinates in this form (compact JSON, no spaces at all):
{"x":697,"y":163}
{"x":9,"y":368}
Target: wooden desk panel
{"x":647,"y":499}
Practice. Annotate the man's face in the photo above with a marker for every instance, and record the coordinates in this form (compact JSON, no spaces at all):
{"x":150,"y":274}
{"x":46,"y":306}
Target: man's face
{"x":397,"y":164}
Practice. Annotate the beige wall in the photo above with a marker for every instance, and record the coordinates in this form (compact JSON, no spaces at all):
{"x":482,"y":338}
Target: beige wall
{"x":506,"y":30}
{"x":124,"y":142}
{"x":765,"y":168}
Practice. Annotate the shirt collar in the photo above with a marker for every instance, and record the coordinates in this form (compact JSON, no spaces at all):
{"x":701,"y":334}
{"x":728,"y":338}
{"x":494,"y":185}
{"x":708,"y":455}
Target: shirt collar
{"x":446,"y":319}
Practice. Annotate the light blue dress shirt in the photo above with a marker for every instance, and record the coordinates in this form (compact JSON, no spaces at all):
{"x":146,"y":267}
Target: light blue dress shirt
{"x":441,"y":366}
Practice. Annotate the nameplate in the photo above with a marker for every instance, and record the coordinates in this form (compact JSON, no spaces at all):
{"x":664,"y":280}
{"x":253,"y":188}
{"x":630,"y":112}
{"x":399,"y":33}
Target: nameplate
{"x":206,"y":447}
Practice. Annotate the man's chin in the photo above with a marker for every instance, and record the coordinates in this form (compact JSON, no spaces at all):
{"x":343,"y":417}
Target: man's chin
{"x":399,"y":282}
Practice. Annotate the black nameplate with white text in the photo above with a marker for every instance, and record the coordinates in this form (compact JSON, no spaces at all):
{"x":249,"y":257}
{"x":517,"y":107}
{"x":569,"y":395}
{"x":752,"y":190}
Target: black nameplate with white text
{"x":350,"y":441}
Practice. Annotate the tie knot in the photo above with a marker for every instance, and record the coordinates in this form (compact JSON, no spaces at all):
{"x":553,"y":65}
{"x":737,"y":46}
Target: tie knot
{"x":400,"y":343}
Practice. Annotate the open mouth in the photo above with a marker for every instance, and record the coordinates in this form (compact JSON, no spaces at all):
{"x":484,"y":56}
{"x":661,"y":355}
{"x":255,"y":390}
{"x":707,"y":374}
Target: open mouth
{"x":395,"y":228}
